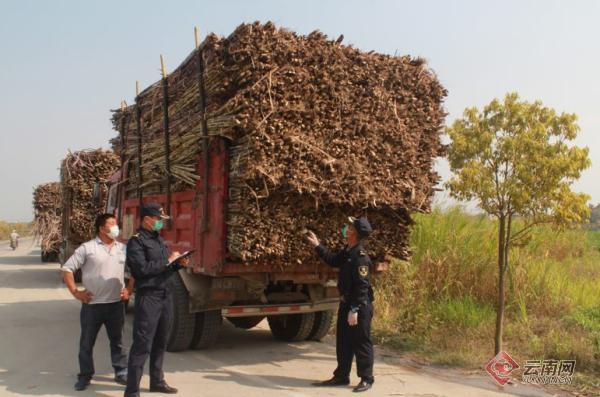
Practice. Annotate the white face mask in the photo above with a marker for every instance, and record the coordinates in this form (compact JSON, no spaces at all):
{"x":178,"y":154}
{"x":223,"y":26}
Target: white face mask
{"x":113,"y":232}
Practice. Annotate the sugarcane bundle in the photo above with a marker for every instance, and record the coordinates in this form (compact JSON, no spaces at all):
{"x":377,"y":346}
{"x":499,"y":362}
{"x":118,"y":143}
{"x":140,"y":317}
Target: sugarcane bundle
{"x":317,"y":131}
{"x":80,"y":171}
{"x":47,"y":206}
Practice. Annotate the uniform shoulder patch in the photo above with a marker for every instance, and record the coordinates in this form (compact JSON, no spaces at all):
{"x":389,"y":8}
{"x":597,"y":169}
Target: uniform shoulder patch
{"x":363,"y":270}
{"x":362,"y":253}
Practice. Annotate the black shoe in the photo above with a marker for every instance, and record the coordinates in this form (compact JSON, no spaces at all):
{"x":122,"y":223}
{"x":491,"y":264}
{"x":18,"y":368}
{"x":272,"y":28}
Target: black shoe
{"x":82,"y":383}
{"x":362,"y":386}
{"x":121,"y":379}
{"x":333,"y":382}
{"x":163,"y":388}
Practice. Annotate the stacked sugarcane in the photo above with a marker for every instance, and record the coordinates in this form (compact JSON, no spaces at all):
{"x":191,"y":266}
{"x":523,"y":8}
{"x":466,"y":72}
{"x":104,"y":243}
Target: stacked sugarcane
{"x":317,"y":131}
{"x":47,"y":206}
{"x":80,"y":171}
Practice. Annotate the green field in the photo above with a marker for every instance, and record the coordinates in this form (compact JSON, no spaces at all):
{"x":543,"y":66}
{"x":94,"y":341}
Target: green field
{"x":441,"y":304}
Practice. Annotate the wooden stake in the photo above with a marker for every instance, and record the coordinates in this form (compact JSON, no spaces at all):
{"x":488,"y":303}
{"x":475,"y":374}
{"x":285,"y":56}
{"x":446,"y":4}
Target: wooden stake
{"x":197,"y":36}
{"x":138,"y":126}
{"x":163,"y":69}
{"x":165,"y":84}
{"x":201,"y":98}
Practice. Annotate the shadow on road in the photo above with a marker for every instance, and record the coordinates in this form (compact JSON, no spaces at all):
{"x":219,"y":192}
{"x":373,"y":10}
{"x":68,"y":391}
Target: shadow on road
{"x":39,"y":353}
{"x":26,"y":254}
{"x":251,"y":348}
{"x":37,"y":337}
{"x":22,"y":260}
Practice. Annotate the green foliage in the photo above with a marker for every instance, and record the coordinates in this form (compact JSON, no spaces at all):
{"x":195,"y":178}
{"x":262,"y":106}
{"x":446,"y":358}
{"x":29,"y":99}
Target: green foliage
{"x":587,"y":318}
{"x":514,"y":158}
{"x":441,"y":302}
{"x":463,"y":313}
{"x":595,"y":216}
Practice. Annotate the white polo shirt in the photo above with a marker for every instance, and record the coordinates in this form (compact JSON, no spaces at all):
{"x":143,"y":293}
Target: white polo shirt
{"x":102,"y":269}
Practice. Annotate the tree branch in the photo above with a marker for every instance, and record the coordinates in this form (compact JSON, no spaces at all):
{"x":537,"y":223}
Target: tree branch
{"x":521,"y":233}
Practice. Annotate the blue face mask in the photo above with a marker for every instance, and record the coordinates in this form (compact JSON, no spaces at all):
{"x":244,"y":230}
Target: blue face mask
{"x":345,"y":231}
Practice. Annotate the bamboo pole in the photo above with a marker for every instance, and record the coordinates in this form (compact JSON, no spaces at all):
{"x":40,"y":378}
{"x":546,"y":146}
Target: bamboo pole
{"x":138,"y":125}
{"x":206,"y":163}
{"x":163,"y":68}
{"x":165,"y":85}
{"x":121,"y":187}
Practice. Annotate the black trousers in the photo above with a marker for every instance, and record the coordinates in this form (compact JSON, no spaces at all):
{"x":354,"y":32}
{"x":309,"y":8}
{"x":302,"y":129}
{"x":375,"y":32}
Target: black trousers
{"x":354,"y":341}
{"x":150,"y":333}
{"x":92,"y":318}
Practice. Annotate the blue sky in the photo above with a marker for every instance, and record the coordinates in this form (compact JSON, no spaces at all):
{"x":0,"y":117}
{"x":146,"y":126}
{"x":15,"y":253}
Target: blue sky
{"x":64,"y":64}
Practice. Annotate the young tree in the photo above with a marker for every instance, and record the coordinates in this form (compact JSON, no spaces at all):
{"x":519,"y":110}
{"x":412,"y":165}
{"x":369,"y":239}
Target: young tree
{"x":514,"y":159}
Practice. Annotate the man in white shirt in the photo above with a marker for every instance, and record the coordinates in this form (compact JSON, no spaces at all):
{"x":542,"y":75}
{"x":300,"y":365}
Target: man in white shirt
{"x":102,"y":264}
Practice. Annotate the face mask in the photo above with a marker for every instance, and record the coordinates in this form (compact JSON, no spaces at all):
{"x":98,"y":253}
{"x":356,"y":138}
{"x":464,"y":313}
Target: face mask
{"x":345,"y":231}
{"x":113,"y":232}
{"x":157,"y":225}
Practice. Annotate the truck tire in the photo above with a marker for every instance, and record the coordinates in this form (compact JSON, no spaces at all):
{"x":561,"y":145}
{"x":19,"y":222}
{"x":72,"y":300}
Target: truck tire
{"x":322,"y":325}
{"x":291,"y":327}
{"x":245,"y":322}
{"x":182,"y":321}
{"x":208,"y":327}
{"x":53,"y":257}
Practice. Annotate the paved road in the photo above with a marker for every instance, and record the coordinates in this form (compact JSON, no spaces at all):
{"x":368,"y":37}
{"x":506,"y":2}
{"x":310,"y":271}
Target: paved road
{"x":38,"y":352}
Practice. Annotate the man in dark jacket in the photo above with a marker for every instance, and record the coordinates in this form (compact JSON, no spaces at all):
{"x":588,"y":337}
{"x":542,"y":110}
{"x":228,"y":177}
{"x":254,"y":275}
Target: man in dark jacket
{"x":151,"y":265}
{"x":353,"y":334}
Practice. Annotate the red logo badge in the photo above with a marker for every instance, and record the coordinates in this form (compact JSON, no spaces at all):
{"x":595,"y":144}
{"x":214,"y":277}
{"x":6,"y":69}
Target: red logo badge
{"x":500,"y":367}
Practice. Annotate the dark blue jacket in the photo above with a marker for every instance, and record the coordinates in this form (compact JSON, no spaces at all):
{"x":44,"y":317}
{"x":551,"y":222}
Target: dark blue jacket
{"x":354,"y":279}
{"x":147,"y":258}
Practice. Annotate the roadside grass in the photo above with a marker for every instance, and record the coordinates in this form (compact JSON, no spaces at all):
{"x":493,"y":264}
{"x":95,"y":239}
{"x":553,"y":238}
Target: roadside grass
{"x":441,"y":304}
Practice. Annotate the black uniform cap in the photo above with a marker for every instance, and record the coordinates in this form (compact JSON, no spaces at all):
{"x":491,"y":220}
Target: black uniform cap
{"x":153,"y":209}
{"x":362,"y":226}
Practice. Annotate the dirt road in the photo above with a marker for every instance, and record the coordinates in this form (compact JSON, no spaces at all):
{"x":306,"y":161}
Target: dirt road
{"x":39,"y":329}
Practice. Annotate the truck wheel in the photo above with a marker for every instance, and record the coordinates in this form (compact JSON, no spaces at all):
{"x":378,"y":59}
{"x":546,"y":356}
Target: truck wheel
{"x":322,"y":325}
{"x":245,"y":322}
{"x":291,"y":327}
{"x":182,"y":321}
{"x":208,"y":326}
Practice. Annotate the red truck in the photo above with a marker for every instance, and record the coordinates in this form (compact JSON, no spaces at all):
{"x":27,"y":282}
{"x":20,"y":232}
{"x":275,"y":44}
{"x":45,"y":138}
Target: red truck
{"x":298,"y":302}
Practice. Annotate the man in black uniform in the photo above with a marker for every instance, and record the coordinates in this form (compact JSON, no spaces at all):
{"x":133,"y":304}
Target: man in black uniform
{"x":149,"y":261}
{"x":353,"y":333}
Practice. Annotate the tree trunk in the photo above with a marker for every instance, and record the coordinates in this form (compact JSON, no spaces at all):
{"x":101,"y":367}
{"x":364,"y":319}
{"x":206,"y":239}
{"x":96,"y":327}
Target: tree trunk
{"x":501,"y":275}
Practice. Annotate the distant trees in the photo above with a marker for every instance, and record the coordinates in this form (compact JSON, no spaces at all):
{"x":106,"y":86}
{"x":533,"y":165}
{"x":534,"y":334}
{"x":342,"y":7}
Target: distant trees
{"x":595,"y":216}
{"x":6,"y":228}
